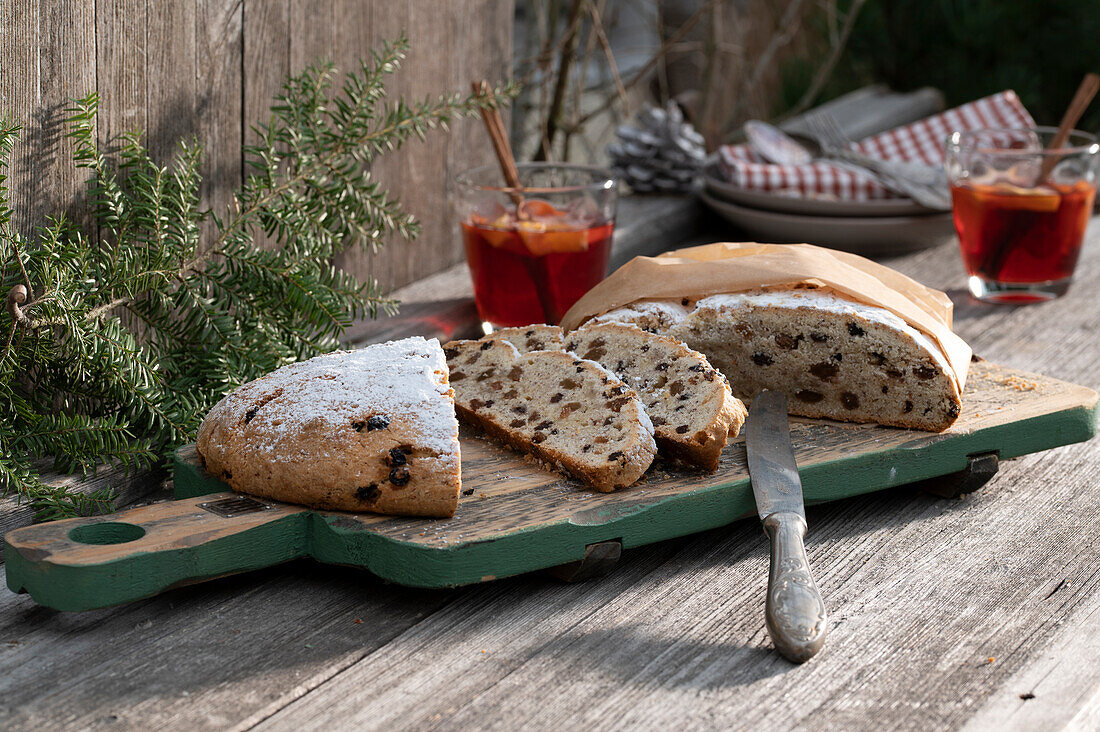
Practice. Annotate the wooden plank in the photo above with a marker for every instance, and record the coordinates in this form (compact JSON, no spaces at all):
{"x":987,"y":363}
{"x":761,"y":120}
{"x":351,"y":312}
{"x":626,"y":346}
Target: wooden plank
{"x":48,"y":55}
{"x":121,"y":69}
{"x":1058,"y":690}
{"x":224,"y":655}
{"x":265,"y":50}
{"x":219,"y":99}
{"x":393,"y":266}
{"x":171,"y":89}
{"x":19,"y":95}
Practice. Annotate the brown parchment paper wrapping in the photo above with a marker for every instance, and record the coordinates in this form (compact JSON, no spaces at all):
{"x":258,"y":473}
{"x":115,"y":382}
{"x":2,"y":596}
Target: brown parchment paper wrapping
{"x":727,"y":267}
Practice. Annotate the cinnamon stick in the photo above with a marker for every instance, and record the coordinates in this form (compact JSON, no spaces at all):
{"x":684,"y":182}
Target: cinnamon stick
{"x":993,"y":263}
{"x":535,"y":266}
{"x":1081,"y":100}
{"x":503,"y":149}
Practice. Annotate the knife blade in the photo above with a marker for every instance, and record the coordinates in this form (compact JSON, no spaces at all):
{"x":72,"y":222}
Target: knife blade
{"x":794,"y":611}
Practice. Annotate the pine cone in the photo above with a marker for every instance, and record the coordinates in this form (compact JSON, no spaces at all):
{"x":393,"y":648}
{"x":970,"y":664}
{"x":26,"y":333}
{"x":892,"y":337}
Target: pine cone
{"x":660,"y":152}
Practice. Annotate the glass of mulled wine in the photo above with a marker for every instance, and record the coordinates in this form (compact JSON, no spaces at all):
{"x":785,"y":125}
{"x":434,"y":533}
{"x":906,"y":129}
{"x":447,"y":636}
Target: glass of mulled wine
{"x":534,"y":251}
{"x":1021,"y":209}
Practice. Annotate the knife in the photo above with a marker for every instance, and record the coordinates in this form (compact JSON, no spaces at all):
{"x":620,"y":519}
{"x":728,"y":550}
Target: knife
{"x":794,"y":612}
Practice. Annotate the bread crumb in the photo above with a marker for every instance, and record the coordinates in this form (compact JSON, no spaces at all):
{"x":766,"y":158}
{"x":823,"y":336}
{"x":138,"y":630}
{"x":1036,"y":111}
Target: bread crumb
{"x":1018,"y":383}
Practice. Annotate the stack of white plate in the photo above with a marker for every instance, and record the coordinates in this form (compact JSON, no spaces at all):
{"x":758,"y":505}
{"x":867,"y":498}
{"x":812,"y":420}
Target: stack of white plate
{"x":890,"y":226}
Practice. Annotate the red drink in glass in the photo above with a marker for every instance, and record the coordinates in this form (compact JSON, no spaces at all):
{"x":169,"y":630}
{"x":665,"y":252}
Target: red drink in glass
{"x":1022,"y":235}
{"x":533,"y":251}
{"x":526,"y":272}
{"x":1021,"y":200}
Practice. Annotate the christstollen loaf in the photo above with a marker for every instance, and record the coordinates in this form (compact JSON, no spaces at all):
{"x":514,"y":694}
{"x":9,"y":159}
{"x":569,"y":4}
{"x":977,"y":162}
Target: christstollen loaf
{"x":841,"y":336}
{"x":366,"y":430}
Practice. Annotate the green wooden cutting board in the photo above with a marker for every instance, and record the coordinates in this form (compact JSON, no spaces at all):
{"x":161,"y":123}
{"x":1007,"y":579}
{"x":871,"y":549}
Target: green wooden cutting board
{"x":514,"y":517}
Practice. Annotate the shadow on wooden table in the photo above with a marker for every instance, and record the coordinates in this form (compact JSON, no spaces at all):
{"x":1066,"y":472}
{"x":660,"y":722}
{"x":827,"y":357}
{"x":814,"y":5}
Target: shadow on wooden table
{"x":635,"y":653}
{"x":261,"y":635}
{"x":968,"y":307}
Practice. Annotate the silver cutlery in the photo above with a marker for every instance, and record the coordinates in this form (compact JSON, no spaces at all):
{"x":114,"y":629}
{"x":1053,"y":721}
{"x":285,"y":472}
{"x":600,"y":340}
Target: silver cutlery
{"x":794,"y":611}
{"x":824,"y":140}
{"x":925,"y":184}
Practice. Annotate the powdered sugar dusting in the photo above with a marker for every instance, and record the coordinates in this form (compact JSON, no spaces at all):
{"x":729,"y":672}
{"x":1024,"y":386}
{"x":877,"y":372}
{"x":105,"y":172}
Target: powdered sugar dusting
{"x":829,"y":302}
{"x":401,"y":383}
{"x":662,"y":312}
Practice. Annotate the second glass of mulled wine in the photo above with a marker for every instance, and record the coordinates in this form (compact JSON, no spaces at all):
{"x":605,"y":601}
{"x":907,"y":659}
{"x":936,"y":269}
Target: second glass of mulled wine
{"x":1021,"y":209}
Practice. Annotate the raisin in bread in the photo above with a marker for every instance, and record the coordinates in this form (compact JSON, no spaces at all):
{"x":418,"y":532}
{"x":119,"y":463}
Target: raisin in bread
{"x":688,"y":401}
{"x":532,"y":338}
{"x":565,"y":411}
{"x":367,"y":430}
{"x":832,"y":357}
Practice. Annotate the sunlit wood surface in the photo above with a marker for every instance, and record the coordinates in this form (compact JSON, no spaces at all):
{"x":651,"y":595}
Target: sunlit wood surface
{"x":945,"y":612}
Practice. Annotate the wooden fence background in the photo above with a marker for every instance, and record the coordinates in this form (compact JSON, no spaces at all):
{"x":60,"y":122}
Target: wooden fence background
{"x":209,"y":68}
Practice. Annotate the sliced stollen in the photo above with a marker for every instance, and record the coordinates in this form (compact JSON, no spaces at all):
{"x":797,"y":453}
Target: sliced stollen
{"x":689,"y":402}
{"x":832,"y":357}
{"x":568,"y":412}
{"x":366,"y":430}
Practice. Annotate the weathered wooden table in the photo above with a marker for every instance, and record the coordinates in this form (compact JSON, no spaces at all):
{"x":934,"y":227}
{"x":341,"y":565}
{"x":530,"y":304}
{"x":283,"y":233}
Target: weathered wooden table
{"x":980,"y":611}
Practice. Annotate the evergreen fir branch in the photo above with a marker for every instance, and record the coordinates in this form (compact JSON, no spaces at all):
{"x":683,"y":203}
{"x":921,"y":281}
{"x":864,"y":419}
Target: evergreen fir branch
{"x":83,"y":442}
{"x":51,"y":503}
{"x":131,"y":333}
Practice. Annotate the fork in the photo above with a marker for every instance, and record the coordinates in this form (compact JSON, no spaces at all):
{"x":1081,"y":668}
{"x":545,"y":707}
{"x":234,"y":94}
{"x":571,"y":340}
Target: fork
{"x":925,"y":184}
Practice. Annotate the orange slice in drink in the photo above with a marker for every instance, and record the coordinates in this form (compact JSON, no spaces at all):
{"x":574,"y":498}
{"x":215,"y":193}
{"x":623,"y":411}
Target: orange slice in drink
{"x":498,"y":233}
{"x":555,"y":242}
{"x":544,"y":233}
{"x":533,"y":208}
{"x":1008,"y":196}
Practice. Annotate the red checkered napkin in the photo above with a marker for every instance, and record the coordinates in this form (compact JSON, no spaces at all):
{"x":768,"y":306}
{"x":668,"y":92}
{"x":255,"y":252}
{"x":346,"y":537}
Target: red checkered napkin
{"x":922,"y":141}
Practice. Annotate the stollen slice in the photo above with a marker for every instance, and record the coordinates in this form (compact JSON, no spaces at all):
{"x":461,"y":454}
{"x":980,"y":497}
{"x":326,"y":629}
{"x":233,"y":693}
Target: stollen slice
{"x":689,"y":401}
{"x":569,"y":413}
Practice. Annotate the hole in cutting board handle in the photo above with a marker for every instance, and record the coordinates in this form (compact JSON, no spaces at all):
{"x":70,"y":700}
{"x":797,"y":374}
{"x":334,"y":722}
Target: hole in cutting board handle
{"x":108,"y":532}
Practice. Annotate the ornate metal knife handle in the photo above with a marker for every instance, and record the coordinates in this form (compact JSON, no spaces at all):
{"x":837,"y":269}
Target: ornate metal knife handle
{"x":795,"y":612}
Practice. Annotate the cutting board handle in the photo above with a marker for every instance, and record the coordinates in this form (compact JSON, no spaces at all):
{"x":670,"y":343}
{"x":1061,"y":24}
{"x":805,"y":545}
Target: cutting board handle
{"x":85,"y":563}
